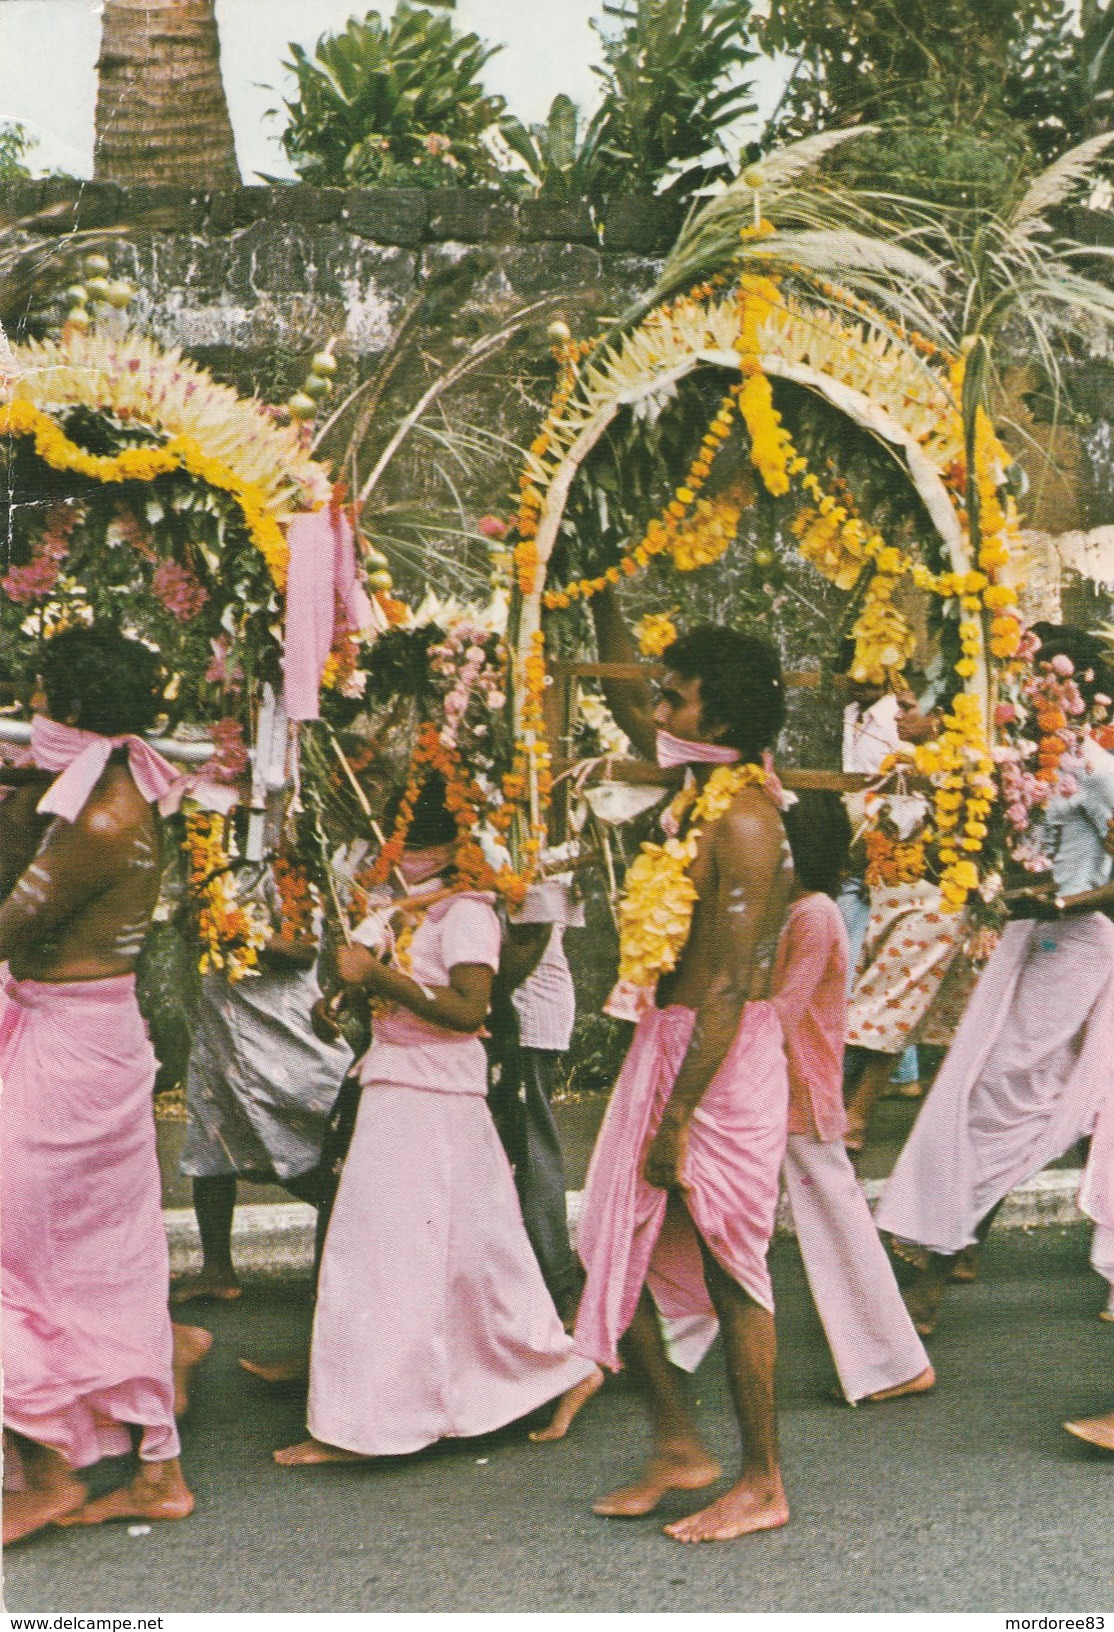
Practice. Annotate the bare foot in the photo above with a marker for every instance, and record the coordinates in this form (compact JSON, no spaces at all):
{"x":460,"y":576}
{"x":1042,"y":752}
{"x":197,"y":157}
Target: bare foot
{"x":191,"y":1345}
{"x":209,"y":1283}
{"x":310,"y":1453}
{"x":1095,"y":1430}
{"x":753,"y":1504}
{"x":920,"y":1384}
{"x":279,"y":1372}
{"x":854,"y":1137}
{"x":51,"y":1493}
{"x":923,"y":1300}
{"x":158,"y":1491}
{"x":966,"y":1266}
{"x":568,"y":1407}
{"x":686,"y":1466}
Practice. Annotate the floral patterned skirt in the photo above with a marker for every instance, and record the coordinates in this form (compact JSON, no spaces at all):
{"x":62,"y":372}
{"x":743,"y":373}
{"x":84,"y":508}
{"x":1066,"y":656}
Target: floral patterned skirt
{"x":909,"y":946}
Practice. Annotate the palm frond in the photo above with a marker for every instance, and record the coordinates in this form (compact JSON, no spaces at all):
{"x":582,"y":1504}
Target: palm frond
{"x":844,"y":252}
{"x":781,"y":168}
{"x":1054,"y":184}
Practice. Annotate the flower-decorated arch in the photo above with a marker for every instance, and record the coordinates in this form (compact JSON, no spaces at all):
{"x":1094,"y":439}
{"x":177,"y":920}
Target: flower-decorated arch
{"x":901,"y":390}
{"x":140,"y":491}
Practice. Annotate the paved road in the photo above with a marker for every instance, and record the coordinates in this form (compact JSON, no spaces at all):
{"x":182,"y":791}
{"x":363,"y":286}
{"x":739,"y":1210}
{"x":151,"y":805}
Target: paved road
{"x":968,"y":1499}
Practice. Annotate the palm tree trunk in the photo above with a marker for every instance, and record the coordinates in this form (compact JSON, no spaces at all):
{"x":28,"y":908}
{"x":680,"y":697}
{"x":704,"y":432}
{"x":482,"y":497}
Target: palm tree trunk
{"x":161,"y":109}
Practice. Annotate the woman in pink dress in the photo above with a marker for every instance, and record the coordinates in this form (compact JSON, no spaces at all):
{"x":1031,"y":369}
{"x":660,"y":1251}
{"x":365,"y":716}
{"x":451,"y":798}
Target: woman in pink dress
{"x":432,"y":1319}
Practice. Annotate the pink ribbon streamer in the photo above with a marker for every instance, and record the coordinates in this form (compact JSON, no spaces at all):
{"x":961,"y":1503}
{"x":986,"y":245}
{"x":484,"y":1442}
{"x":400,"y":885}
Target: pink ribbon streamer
{"x":323,"y":593}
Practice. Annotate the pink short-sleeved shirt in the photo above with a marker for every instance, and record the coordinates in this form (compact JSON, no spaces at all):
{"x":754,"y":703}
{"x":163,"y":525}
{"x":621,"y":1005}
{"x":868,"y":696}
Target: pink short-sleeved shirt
{"x":810,"y":996}
{"x":413,"y":1053}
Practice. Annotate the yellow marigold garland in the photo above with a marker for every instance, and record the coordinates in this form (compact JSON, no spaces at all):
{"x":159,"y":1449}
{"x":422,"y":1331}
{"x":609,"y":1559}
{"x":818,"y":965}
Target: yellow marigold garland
{"x":655,"y":633}
{"x":55,"y":448}
{"x":656,"y":907}
{"x":232,"y":932}
{"x":842,"y":548}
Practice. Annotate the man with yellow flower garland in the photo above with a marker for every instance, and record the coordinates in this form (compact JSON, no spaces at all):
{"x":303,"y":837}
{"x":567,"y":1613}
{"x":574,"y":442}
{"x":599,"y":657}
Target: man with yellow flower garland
{"x":1029,"y":1068}
{"x":680,"y":1198}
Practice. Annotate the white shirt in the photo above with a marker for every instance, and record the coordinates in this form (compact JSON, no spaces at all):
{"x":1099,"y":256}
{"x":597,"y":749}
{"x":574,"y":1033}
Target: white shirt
{"x":869,"y":737}
{"x":546,"y":1001}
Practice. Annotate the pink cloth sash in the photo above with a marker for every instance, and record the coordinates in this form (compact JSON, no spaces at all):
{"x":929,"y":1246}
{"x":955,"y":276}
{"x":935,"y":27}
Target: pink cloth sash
{"x":323,"y":590}
{"x":629,"y":1234}
{"x":87,"y":1335}
{"x":670,"y":751}
{"x":81,"y":757}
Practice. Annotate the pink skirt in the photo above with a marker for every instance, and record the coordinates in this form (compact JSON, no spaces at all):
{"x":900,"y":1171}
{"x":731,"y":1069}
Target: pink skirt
{"x":87,"y":1336}
{"x":433,"y":1321}
{"x":629,"y":1234}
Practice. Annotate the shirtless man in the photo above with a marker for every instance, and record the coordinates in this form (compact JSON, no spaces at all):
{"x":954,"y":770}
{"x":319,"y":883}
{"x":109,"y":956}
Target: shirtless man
{"x":88,"y":1346}
{"x":684,"y":1178}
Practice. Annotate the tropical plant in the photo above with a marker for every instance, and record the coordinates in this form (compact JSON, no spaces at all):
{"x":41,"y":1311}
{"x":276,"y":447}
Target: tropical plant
{"x":16,"y":142}
{"x":398,"y":103}
{"x":1062,"y":86}
{"x":161,"y":109}
{"x":673,"y":87}
{"x":561,"y":159}
{"x":957,"y":86}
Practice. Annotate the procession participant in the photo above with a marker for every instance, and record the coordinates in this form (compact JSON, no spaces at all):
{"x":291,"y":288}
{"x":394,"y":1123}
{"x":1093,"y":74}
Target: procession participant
{"x":680,"y":1199}
{"x":909,"y":944}
{"x":1030,"y":1064}
{"x":877,"y":1353}
{"x":88,"y":1344}
{"x":432,"y":1318}
{"x":535,"y":971}
{"x":260,"y":1084}
{"x":1096,"y":1190}
{"x":870,"y":736}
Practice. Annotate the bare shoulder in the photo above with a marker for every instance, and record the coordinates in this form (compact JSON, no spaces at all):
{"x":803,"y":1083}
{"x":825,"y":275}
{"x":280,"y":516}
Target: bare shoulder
{"x":114,"y":812}
{"x":751,"y":823}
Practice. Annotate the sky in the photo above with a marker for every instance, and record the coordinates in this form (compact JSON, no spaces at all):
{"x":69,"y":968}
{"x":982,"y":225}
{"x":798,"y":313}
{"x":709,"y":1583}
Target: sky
{"x":48,"y":54}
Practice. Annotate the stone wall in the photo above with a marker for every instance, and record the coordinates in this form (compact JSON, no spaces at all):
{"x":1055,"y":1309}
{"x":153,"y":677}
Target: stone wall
{"x":251,"y":280}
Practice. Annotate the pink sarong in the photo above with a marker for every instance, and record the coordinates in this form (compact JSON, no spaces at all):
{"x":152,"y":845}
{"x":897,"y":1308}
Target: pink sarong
{"x":433,"y":1321}
{"x":1031,"y":1064}
{"x":87,"y":1337}
{"x":628,"y":1235}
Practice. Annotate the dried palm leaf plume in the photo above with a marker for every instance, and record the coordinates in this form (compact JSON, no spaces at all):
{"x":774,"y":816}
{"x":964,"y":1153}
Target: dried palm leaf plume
{"x":1055,"y":184}
{"x":1026,"y":288}
{"x":831,"y":235}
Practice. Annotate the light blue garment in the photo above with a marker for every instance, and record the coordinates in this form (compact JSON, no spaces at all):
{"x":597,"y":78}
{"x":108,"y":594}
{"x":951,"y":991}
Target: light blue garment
{"x":1074,"y":828}
{"x":854,"y":905}
{"x":853,"y":902}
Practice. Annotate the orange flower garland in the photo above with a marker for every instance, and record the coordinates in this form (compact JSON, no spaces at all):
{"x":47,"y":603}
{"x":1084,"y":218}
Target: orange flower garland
{"x":464,"y":801}
{"x":297,"y":900}
{"x":232,"y":933}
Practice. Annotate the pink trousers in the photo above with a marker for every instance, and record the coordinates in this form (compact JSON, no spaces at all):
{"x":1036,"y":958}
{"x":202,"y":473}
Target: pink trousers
{"x":865,"y":1321}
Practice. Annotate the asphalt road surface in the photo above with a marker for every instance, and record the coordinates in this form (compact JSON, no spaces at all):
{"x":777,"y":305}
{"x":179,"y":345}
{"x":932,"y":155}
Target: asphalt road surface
{"x":971,"y":1498}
